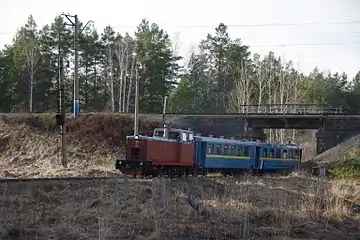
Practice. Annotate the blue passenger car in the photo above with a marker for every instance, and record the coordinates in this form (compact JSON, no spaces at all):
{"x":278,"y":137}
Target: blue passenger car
{"x":279,"y":157}
{"x":225,"y":154}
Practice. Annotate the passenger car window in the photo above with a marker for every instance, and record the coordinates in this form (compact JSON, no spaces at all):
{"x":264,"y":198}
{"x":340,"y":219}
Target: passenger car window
{"x":210,"y":149}
{"x":297,"y":154}
{"x":232,"y":150}
{"x":284,"y":154}
{"x":290,"y":154}
{"x":217,"y":149}
{"x":246,"y":151}
{"x":264,"y":153}
{"x":271,"y":153}
{"x":239,"y":151}
{"x":226,"y":150}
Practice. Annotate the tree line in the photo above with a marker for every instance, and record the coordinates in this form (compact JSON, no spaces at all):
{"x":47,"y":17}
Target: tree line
{"x":221,"y":77}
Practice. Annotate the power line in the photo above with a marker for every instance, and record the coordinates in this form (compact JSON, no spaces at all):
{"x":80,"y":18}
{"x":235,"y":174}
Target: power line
{"x":253,"y":25}
{"x":4,"y":33}
{"x":306,"y":44}
{"x":275,"y":24}
{"x":237,"y":25}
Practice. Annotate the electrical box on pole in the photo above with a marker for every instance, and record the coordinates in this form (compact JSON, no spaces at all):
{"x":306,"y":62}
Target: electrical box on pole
{"x":77,"y":31}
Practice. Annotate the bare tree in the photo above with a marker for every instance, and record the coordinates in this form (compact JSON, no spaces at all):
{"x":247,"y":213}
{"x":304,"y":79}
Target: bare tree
{"x":175,"y":47}
{"x":32,"y":54}
{"x":260,"y":80}
{"x":126,"y":77}
{"x":243,"y":90}
{"x":120,"y":57}
{"x":131,"y":82}
{"x":110,"y":63}
{"x":271,"y":90}
{"x":29,"y":53}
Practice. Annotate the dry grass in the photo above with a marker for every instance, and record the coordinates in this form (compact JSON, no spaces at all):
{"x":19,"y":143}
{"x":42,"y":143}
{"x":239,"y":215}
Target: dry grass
{"x":293,"y":207}
{"x":30,"y":146}
{"x":247,"y":207}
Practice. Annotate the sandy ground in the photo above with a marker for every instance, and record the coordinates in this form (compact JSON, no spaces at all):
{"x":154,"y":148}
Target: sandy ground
{"x":246,"y":207}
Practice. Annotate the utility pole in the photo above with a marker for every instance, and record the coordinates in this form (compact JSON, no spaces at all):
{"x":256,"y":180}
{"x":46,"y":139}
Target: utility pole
{"x":60,"y":117}
{"x":76,"y":72}
{"x":62,"y":107}
{"x":75,"y":24}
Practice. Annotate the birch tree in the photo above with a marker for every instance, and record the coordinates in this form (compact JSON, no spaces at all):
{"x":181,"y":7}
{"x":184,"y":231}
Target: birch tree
{"x":260,"y":80}
{"x":32,"y":59}
{"x":131,"y":80}
{"x":29,"y":54}
{"x":111,"y":75}
{"x":243,"y":90}
{"x":108,"y":43}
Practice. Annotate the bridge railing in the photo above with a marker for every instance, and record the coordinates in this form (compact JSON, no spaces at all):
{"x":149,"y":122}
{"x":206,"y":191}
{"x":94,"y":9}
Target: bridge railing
{"x":288,"y":109}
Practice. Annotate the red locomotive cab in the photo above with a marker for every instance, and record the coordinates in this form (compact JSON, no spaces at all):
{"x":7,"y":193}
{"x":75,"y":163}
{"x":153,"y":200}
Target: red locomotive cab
{"x":167,"y":148}
{"x":171,"y":147}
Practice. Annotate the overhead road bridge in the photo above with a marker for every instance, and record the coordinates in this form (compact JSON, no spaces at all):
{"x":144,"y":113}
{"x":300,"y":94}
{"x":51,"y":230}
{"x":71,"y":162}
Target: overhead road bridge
{"x":334,"y":124}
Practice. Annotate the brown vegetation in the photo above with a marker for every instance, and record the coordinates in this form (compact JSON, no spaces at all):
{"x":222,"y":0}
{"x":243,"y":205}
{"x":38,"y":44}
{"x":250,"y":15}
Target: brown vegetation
{"x":30,"y":146}
{"x":294,"y":207}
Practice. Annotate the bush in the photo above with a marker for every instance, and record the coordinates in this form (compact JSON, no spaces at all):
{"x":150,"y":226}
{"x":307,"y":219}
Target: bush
{"x":348,"y":169}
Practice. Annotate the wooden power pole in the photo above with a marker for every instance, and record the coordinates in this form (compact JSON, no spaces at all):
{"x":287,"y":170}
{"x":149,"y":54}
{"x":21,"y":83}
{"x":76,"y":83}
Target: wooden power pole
{"x":60,"y":117}
{"x":64,"y":159}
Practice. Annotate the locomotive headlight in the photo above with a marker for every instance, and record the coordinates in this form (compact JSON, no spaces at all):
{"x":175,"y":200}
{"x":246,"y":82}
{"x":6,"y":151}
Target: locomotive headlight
{"x":136,"y":137}
{"x":141,"y":164}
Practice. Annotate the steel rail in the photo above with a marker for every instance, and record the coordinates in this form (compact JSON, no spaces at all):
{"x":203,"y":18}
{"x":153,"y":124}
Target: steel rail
{"x":53,"y":179}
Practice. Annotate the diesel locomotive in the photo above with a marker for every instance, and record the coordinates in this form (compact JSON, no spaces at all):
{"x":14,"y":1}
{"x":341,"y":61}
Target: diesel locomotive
{"x":174,"y":151}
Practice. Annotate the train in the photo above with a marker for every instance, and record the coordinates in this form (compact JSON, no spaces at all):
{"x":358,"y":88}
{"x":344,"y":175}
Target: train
{"x":173,"y":151}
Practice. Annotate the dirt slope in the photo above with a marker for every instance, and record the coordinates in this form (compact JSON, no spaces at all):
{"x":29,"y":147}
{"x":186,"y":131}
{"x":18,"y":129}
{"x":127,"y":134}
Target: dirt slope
{"x":30,"y":146}
{"x":340,"y":152}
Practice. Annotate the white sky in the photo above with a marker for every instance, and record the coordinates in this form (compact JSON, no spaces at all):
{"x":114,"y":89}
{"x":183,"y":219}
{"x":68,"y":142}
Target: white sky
{"x":171,"y":15}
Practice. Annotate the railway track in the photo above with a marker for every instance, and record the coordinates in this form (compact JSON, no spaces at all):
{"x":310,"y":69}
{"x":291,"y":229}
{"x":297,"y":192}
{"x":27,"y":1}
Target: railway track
{"x":55,"y":179}
{"x":67,"y":179}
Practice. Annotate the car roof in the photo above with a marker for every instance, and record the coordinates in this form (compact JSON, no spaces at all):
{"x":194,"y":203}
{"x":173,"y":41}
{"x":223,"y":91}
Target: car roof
{"x":225,"y":141}
{"x":151,"y":138}
{"x":174,"y":130}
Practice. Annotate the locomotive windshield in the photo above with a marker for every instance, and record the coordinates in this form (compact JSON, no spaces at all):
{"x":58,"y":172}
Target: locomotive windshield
{"x":158,"y":133}
{"x":175,"y":134}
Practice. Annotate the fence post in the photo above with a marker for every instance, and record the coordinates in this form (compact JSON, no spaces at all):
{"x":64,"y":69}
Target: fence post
{"x":322,"y":172}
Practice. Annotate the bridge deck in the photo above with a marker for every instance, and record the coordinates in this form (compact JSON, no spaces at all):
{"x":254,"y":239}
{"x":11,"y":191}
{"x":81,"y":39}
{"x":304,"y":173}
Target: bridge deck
{"x":206,"y":115}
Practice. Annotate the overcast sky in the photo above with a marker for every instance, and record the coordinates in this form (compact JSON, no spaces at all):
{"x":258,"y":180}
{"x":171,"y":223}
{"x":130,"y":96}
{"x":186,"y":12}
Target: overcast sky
{"x":336,"y":47}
